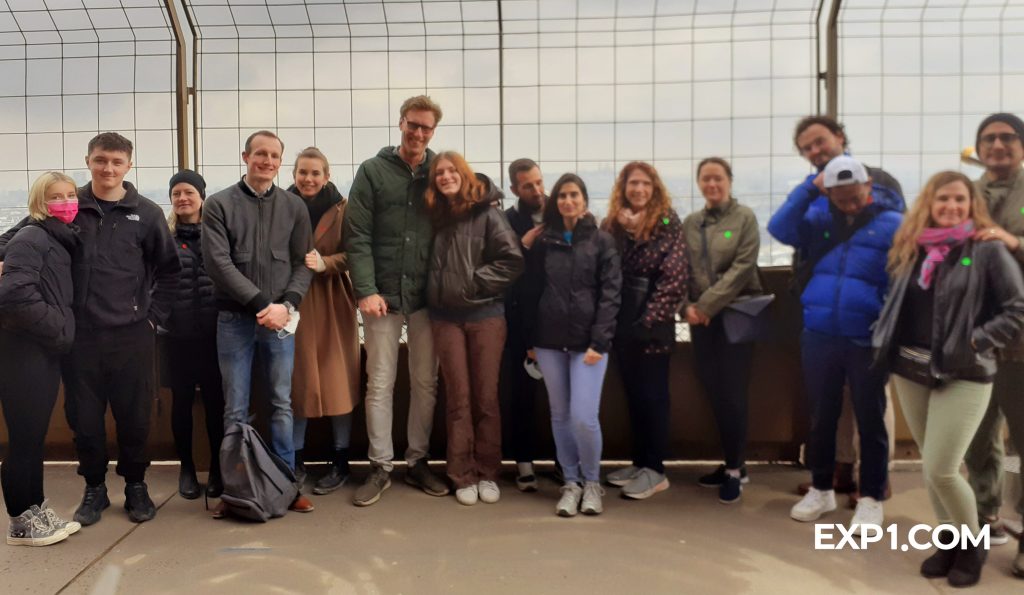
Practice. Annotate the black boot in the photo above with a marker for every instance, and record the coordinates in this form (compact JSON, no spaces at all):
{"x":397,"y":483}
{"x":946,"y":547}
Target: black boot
{"x":214,"y":484}
{"x":336,"y":476}
{"x":300,"y":467}
{"x":188,"y":484}
{"x":1018,"y":562}
{"x":966,"y":569}
{"x":938,"y":564}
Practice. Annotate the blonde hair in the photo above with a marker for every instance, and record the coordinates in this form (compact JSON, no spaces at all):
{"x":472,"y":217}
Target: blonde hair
{"x":656,"y":208}
{"x":37,"y":194}
{"x":312,"y":153}
{"x":903,"y":253}
{"x":421,"y":103}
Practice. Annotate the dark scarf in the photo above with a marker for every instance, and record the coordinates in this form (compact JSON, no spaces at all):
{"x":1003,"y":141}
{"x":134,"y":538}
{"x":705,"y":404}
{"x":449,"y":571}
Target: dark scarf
{"x":319,"y":204}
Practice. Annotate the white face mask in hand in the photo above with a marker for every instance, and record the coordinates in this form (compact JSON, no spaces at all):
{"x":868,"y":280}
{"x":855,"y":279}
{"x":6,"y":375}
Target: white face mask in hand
{"x":290,"y":328}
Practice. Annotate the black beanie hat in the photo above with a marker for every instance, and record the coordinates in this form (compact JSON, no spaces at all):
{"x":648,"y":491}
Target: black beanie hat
{"x":1013,"y":121}
{"x":189,"y":177}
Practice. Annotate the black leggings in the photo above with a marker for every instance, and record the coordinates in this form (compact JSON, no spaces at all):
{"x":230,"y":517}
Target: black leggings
{"x":192,"y":362}
{"x":28,"y":391}
{"x":723,"y":369}
{"x":645,"y":379}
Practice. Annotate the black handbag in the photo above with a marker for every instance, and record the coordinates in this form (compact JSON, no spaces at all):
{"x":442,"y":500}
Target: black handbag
{"x":915,"y":364}
{"x":745,"y":320}
{"x":636,"y":291}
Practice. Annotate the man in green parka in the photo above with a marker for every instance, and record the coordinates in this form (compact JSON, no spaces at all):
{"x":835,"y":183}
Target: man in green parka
{"x":388,"y":237}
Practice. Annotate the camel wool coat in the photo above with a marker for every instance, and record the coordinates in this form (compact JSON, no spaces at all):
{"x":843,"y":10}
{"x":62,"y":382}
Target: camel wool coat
{"x":325,"y":380}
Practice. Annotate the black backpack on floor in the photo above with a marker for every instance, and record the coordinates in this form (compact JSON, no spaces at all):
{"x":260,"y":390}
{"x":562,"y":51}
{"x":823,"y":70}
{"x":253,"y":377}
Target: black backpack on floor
{"x":258,"y":484}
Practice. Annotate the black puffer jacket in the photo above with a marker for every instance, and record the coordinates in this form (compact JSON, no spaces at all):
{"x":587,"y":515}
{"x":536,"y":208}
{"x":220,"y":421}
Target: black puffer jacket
{"x":36,"y":292}
{"x":582,"y":283}
{"x":194,"y":311}
{"x":978,"y":306}
{"x":473,"y":261}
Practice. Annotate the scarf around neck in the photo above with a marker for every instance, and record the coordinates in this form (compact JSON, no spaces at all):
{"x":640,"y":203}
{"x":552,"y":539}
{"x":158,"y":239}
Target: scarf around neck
{"x":937,"y":242}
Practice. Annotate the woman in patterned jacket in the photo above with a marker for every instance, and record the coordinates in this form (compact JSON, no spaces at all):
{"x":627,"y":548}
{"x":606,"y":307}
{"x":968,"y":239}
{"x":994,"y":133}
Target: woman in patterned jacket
{"x":649,"y":237}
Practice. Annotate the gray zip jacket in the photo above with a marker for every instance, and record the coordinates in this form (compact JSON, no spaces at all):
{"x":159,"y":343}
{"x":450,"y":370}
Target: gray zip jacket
{"x":254,"y":248}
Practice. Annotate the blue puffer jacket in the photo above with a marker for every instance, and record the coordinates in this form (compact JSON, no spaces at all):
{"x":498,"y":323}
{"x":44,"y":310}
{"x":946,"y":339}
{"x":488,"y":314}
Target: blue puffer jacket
{"x":847,"y":288}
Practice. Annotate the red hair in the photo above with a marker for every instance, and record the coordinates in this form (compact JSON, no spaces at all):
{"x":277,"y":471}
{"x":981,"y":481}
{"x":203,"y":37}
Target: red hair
{"x":656,"y":208}
{"x":443,"y":210}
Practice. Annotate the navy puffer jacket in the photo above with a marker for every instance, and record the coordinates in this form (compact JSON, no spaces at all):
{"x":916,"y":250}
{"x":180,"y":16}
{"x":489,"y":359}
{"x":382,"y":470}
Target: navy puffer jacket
{"x":194,"y":312}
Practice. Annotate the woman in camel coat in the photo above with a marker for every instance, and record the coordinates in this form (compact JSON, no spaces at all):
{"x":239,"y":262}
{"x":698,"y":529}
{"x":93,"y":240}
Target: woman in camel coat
{"x":325,"y":381}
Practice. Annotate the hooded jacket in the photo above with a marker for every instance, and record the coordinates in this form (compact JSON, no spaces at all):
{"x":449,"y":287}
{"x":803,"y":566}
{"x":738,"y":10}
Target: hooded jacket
{"x":582,"y":285}
{"x":474,"y":260}
{"x":36,"y":292}
{"x":387,"y":231}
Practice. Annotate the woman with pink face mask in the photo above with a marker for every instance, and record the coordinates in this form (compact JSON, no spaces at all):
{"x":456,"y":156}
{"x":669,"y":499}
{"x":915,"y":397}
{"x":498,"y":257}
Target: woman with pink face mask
{"x":36,"y":327}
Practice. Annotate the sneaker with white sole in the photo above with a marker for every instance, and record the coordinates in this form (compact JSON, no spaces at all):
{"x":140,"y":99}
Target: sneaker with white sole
{"x":33,"y":529}
{"x":592,"y":492}
{"x":526,"y":479}
{"x":869,"y":512}
{"x":622,"y":476}
{"x":489,"y":491}
{"x":69,"y":527}
{"x":645,"y":484}
{"x":569,"y":504}
{"x":467,"y":496}
{"x":814,"y":504}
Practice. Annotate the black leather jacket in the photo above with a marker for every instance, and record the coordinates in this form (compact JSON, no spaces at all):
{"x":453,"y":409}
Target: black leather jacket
{"x":473,"y":261}
{"x":979,"y":307}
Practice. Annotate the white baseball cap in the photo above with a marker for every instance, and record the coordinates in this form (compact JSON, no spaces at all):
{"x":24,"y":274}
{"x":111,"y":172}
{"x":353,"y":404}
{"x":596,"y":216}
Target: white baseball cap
{"x":843,"y":171}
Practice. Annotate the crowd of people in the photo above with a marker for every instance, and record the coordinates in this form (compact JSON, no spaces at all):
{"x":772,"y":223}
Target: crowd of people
{"x":925,"y":306}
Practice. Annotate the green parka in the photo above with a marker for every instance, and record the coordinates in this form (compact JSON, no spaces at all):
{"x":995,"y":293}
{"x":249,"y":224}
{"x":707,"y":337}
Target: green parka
{"x":388,"y":232}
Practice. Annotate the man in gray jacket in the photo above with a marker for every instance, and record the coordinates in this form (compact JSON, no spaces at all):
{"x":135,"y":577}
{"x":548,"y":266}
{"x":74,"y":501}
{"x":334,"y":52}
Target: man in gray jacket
{"x":255,"y":239}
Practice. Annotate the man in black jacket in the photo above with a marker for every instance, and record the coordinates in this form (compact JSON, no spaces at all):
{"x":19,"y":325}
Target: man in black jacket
{"x":527,"y":184}
{"x":125,"y":277}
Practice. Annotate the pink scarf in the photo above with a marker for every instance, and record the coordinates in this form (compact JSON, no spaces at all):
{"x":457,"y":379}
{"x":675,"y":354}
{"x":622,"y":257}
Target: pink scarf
{"x":937,"y":242}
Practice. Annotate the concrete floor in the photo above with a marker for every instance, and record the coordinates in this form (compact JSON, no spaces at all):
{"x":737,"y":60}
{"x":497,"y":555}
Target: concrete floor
{"x":680,"y":541}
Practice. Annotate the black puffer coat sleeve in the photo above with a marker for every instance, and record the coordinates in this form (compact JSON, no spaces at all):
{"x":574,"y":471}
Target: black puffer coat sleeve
{"x":609,"y":294}
{"x":9,"y":234}
{"x":22,"y":305}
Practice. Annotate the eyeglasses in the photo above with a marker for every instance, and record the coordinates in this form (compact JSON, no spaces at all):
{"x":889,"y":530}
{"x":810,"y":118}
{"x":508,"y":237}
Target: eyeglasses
{"x":1004,"y":137}
{"x":416,"y":127}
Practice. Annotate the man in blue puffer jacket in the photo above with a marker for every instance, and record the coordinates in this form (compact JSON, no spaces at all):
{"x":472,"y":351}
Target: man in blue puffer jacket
{"x":848,"y":243}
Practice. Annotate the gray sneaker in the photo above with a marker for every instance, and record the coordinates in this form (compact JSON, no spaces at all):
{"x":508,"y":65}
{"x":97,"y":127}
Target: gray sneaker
{"x":592,"y":492}
{"x":368,"y":493}
{"x":419,"y":475}
{"x":29,"y":528}
{"x":622,"y":476}
{"x":69,"y":527}
{"x":645,"y":484}
{"x":569,"y":504}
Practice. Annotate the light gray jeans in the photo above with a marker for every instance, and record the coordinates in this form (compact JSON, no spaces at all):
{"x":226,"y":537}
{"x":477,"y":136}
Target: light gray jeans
{"x":381,"y":338}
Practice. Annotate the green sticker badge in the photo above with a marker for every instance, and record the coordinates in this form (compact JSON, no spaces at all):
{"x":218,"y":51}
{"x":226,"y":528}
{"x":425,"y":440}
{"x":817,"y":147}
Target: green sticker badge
{"x":664,"y":220}
{"x":827,"y":235}
{"x":966,"y":261}
{"x":728,"y":234}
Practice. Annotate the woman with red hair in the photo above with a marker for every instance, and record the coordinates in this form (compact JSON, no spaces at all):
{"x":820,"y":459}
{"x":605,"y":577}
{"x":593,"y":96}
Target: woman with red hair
{"x":475,"y":258}
{"x":649,"y":237}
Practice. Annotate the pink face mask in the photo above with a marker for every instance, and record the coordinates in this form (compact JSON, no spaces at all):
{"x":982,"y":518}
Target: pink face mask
{"x":63,"y":210}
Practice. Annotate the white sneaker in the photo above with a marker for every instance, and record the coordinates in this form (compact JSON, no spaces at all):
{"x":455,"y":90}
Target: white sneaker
{"x":467,"y":496}
{"x":868,"y":512}
{"x":489,"y":491}
{"x":569,"y":504}
{"x":814,"y":504}
{"x":592,"y":492}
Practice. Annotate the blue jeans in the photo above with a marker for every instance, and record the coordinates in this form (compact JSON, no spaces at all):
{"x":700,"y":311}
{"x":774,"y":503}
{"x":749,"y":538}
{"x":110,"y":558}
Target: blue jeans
{"x":341,"y":430}
{"x":239,"y":339}
{"x":574,"y":391}
{"x":829,"y":363}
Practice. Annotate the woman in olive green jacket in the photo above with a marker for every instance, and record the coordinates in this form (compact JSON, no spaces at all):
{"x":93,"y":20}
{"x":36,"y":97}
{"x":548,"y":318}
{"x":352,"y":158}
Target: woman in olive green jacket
{"x":723,"y":240}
